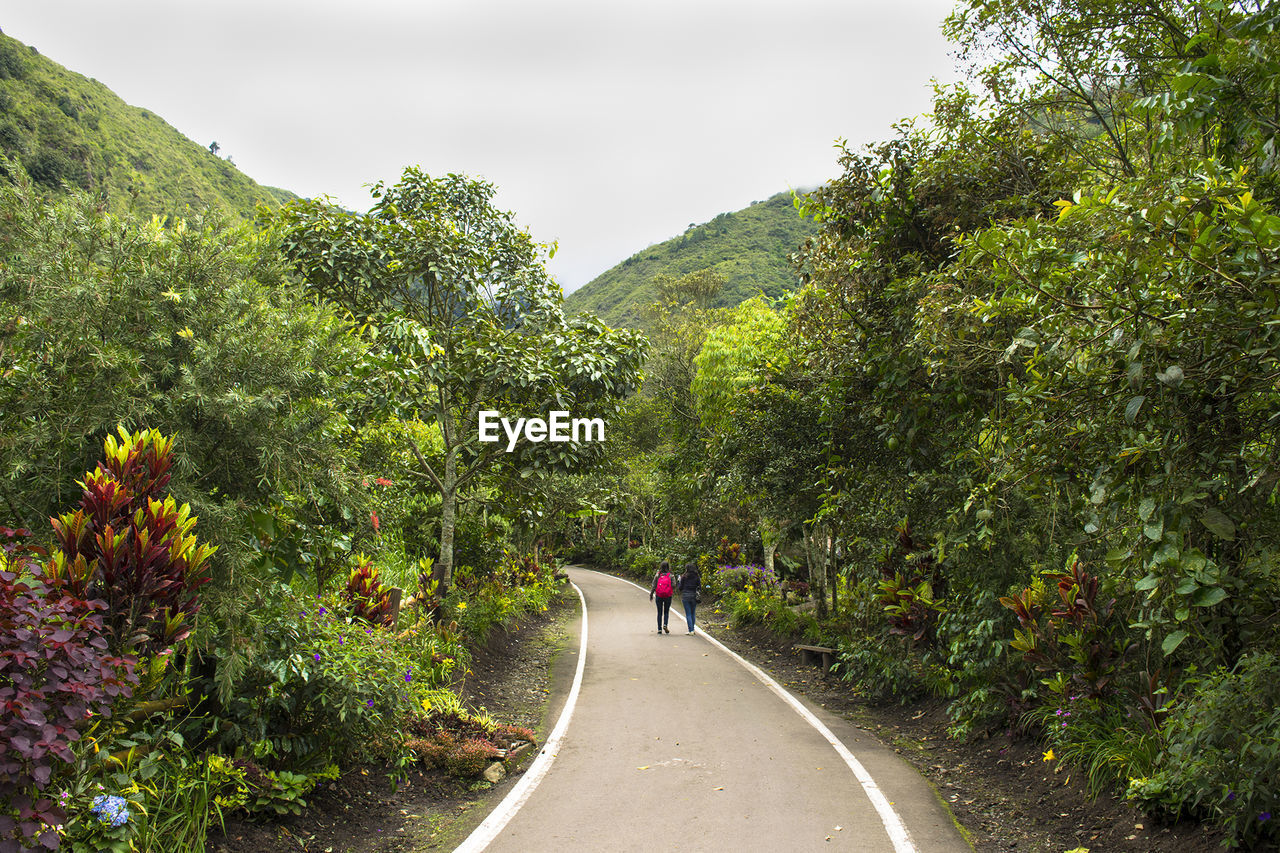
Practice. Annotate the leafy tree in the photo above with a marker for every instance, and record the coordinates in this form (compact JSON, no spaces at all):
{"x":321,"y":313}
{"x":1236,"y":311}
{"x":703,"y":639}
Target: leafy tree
{"x":189,"y":330}
{"x":466,"y":320}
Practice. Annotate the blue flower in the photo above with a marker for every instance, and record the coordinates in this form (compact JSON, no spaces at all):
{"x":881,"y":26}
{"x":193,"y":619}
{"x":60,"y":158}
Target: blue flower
{"x":1264,"y":817}
{"x":112,"y":811}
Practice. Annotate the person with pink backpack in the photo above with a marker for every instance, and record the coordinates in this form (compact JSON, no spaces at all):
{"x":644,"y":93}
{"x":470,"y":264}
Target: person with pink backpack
{"x":664,"y":586}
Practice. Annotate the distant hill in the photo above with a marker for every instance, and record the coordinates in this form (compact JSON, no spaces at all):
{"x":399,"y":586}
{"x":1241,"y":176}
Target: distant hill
{"x":750,"y":248}
{"x":66,"y":128}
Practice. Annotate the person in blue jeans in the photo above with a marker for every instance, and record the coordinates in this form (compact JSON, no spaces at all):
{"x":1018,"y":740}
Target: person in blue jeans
{"x":662,"y":589}
{"x":690,"y":583}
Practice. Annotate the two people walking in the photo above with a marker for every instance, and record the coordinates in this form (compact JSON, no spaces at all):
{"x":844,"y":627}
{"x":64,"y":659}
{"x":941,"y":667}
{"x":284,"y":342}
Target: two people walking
{"x":663,"y":589}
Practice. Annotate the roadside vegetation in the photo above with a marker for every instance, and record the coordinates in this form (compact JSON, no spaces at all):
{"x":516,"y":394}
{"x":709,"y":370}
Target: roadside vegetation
{"x":1014,"y":441}
{"x":250,"y":470}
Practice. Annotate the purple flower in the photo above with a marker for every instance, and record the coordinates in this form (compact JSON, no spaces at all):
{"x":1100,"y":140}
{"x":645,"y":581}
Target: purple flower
{"x":1264,"y":817}
{"x":317,"y":656}
{"x":341,"y":640}
{"x":1231,"y":795}
{"x":369,"y":704}
{"x":407,"y":675}
{"x":323,"y":611}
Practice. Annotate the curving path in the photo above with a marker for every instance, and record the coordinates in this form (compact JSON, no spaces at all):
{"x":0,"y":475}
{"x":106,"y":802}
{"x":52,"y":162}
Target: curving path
{"x":674,"y":743}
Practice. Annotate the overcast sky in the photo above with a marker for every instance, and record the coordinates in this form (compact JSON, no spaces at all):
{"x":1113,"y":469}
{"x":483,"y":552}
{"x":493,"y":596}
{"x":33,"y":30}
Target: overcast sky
{"x":608,"y":125}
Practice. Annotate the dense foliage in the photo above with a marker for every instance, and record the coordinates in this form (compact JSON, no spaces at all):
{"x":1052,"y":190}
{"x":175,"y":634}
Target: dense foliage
{"x":56,"y":673}
{"x":1017,"y":431}
{"x":180,"y":680}
{"x":465,"y":321}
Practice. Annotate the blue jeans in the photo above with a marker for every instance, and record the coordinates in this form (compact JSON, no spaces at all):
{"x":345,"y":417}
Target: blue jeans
{"x":690,"y":608}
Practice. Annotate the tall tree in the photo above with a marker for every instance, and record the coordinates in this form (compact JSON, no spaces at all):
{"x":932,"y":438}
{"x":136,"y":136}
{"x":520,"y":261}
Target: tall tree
{"x":468,"y":320}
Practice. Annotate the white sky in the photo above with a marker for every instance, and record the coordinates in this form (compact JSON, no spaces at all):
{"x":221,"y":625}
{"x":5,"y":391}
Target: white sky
{"x":608,"y":125}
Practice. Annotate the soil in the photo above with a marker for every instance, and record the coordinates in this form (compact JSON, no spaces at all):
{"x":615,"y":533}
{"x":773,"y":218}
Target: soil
{"x":1001,"y":793}
{"x":364,"y":811}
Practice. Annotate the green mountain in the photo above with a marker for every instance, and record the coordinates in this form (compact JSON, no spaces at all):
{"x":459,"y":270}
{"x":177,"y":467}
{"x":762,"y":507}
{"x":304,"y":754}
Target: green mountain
{"x":68,"y":129}
{"x":750,"y":248}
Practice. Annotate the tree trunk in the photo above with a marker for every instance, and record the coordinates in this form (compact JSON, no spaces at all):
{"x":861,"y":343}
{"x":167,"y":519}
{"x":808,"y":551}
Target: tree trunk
{"x":833,"y":572}
{"x":770,"y":537}
{"x":815,"y":556}
{"x":448,"y":521}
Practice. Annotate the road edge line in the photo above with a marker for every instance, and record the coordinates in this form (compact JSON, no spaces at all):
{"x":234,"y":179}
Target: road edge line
{"x":889,"y":818}
{"x":484,"y":834}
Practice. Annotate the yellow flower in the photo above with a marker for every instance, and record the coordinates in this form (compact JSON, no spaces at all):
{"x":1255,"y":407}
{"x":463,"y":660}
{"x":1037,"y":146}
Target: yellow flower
{"x":1048,"y":756}
{"x":462,"y":605}
{"x":186,"y":333}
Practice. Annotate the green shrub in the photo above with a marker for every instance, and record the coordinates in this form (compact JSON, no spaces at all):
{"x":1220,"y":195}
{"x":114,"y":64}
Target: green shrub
{"x":326,"y":685}
{"x":1107,"y":741}
{"x":879,"y":668}
{"x":1222,"y":754}
{"x":642,"y":562}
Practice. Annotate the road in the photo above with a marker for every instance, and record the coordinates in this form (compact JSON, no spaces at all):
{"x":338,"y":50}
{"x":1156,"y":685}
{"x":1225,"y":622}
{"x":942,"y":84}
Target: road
{"x":673,"y":743}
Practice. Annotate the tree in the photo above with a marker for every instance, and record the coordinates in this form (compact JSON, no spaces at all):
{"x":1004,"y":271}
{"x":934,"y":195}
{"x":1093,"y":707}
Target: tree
{"x":465,"y":319}
{"x":189,"y":330}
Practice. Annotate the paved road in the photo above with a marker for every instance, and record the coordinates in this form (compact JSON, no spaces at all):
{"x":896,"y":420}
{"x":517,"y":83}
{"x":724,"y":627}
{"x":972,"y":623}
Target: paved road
{"x":673,"y":744}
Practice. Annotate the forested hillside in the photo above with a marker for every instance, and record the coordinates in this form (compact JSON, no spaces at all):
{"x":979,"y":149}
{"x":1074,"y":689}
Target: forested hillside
{"x":750,"y":249}
{"x":69,"y":130}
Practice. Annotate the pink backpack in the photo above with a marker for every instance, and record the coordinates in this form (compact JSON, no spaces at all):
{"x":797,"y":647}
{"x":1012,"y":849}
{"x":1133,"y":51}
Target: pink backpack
{"x":664,"y":585}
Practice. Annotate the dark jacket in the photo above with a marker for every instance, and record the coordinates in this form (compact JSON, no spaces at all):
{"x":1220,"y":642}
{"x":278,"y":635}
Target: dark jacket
{"x":690,"y":582}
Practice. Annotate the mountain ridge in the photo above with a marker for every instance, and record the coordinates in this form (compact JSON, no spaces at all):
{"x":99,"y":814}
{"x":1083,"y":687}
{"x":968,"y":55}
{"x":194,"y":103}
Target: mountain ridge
{"x":750,"y":248}
{"x":69,"y":130}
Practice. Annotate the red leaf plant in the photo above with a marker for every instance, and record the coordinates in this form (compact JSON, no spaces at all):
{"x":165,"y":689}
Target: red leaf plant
{"x":133,"y":547}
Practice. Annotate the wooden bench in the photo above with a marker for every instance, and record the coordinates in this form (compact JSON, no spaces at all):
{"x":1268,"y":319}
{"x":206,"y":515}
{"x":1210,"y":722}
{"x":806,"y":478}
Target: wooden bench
{"x":812,"y":654}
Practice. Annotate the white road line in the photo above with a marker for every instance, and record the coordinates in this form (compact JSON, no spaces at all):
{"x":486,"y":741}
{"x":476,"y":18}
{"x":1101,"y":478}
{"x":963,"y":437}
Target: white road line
{"x":893,"y":825}
{"x":484,"y":834}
